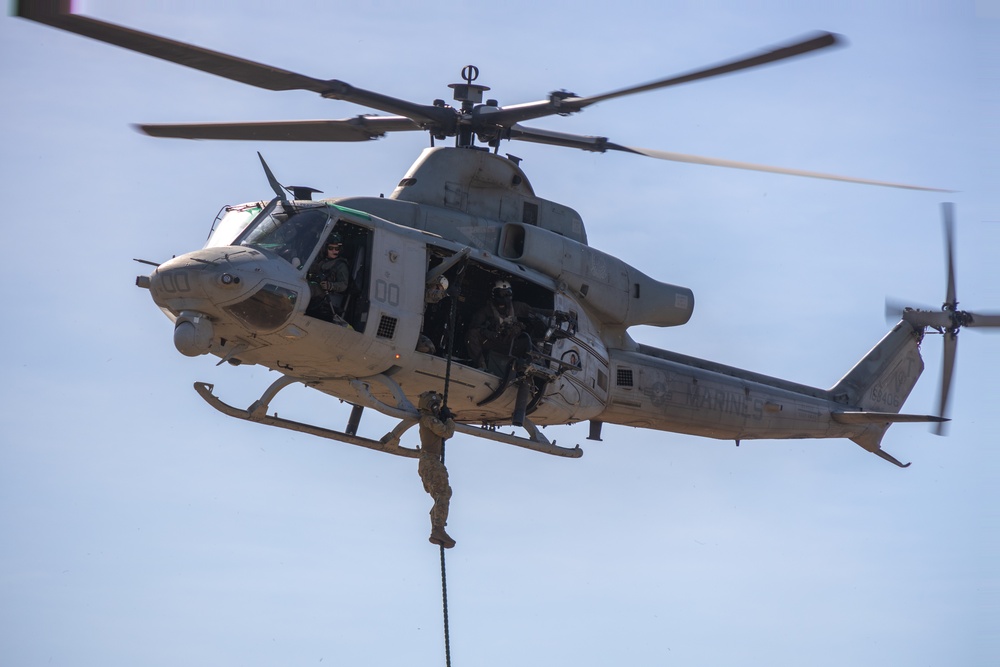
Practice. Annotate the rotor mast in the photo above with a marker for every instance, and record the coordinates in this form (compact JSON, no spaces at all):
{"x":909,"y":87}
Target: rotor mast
{"x":470,"y":95}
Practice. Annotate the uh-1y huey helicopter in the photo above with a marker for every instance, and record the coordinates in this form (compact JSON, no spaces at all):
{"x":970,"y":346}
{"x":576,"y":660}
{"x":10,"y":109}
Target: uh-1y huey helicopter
{"x":467,"y":217}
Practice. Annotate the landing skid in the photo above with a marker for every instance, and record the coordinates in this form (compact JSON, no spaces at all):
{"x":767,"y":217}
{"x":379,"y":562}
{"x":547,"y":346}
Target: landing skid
{"x":388,"y":443}
{"x":536,"y":442}
{"x":256,"y":413}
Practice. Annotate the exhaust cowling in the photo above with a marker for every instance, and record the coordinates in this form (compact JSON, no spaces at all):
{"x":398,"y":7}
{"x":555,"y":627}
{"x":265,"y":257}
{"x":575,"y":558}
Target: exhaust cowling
{"x":618,"y":293}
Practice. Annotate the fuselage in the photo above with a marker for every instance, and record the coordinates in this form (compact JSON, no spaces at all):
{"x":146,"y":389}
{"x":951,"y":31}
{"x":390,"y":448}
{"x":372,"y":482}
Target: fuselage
{"x":246,"y":298}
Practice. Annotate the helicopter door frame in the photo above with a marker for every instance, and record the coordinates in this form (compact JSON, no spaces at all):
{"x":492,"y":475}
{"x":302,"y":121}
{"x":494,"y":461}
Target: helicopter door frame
{"x":357,"y":243}
{"x":477,"y":282}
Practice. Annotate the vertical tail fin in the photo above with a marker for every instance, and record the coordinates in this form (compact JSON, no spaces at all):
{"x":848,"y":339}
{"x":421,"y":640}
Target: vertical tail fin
{"x":882,"y":380}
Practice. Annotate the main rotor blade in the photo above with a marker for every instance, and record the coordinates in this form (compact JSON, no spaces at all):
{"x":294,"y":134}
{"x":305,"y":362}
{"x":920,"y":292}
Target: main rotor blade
{"x":601,"y":145}
{"x":718,"y":162}
{"x":947,"y":371}
{"x":553,"y":138}
{"x":563,"y":103}
{"x":362,"y":128}
{"x":948,"y":215}
{"x":58,"y":14}
{"x":820,"y":40}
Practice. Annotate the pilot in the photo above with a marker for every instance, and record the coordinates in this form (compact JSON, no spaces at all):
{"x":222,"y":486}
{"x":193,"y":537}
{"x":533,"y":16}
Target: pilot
{"x":329,"y":277}
{"x":495,"y":326}
{"x":436,"y":426}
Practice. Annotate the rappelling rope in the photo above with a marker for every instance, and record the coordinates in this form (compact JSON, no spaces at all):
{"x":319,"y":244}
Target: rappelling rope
{"x":444,"y":606}
{"x":456,"y":291}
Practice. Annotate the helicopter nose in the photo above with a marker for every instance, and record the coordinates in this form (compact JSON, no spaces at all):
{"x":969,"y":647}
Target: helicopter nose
{"x":220,"y":286}
{"x":199,"y":282}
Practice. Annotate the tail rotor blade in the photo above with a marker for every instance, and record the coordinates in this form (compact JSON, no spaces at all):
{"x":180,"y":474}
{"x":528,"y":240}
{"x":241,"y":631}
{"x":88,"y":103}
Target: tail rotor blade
{"x":948,"y":214}
{"x":985,"y":320}
{"x":947,"y":371}
{"x":893,"y":310}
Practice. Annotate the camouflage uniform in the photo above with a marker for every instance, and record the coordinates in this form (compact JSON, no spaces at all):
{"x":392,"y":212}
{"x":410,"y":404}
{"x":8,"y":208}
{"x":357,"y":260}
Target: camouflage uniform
{"x":333,"y":272}
{"x":328,"y":282}
{"x":433,"y":432}
{"x":494,"y":327}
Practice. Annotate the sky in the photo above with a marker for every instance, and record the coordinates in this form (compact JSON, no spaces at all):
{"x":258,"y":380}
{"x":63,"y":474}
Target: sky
{"x":141,"y":527}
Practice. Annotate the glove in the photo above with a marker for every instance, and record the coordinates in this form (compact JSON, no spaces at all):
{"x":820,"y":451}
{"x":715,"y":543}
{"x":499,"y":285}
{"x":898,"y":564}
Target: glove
{"x":445,"y":414}
{"x":508,"y":331}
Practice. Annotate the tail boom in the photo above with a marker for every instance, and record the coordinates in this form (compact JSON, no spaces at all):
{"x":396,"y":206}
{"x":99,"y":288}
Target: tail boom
{"x":667,"y":391}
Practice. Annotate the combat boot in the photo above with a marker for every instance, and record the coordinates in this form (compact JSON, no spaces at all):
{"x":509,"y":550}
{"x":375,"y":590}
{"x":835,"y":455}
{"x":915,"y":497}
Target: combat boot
{"x":441,"y":538}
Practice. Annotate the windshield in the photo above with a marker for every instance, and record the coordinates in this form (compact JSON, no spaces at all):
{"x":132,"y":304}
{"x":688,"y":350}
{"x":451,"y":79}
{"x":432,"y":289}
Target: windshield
{"x":230,"y":223}
{"x":291,"y":234}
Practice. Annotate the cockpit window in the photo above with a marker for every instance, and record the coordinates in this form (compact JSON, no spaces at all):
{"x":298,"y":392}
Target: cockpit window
{"x":290,"y":234}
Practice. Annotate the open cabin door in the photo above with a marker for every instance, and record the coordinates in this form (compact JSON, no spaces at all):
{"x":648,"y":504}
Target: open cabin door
{"x":396,"y":290}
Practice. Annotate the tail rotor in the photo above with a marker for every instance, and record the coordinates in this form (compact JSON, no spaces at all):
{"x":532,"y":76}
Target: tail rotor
{"x":947,"y":321}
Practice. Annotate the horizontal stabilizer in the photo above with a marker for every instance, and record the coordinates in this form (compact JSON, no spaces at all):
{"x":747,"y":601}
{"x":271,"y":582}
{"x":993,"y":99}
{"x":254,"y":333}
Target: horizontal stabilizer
{"x":881,"y":418}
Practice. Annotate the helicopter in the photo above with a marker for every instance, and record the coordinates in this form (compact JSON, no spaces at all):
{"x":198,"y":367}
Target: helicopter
{"x":468,"y":215}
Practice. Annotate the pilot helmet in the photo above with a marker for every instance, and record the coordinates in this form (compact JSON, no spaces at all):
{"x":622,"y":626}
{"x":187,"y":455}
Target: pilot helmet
{"x":502,"y":290}
{"x":334,"y":239}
